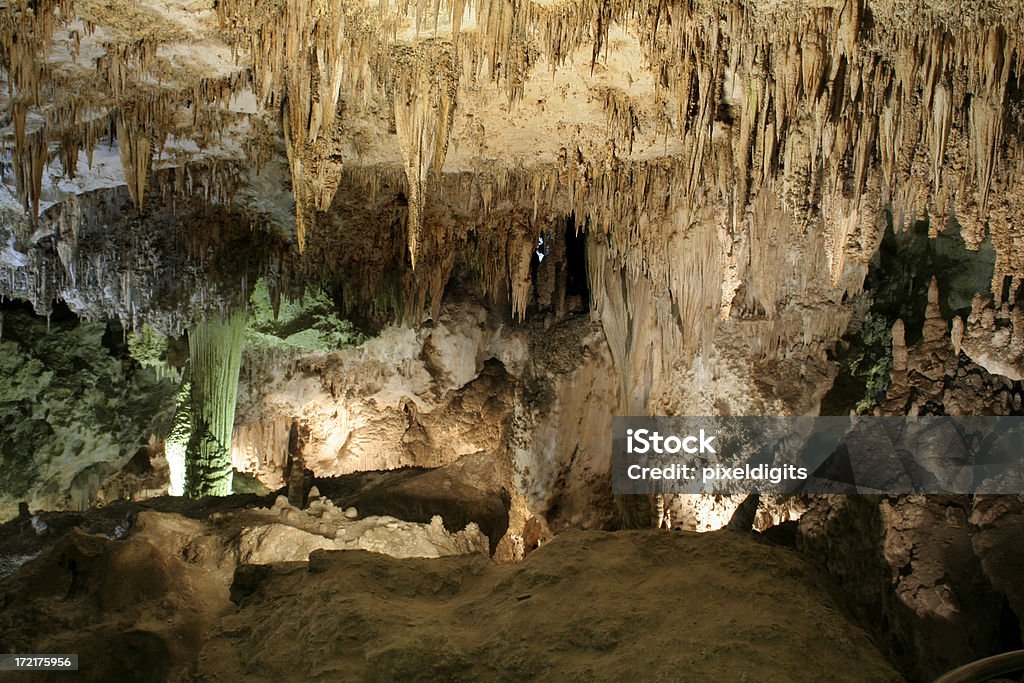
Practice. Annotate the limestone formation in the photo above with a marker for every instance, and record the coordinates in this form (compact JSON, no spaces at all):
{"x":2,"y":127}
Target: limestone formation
{"x":993,"y":337}
{"x":909,"y":567}
{"x":285,"y":533}
{"x":215,"y":356}
{"x":934,"y":377}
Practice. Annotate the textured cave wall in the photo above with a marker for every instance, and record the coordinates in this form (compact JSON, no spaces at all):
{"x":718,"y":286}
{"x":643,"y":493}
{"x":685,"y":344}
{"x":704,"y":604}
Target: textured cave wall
{"x":529,"y":398}
{"x":76,"y":411}
{"x":386,"y":403}
{"x":562,"y":419}
{"x":169,"y":267}
{"x":930,"y":574}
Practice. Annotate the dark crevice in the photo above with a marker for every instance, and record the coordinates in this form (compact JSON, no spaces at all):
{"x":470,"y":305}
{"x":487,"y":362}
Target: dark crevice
{"x":577,"y":283}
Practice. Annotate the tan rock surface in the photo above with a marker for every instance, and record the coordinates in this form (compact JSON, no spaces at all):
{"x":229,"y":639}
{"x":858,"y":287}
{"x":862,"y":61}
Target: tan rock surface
{"x":587,"y":605}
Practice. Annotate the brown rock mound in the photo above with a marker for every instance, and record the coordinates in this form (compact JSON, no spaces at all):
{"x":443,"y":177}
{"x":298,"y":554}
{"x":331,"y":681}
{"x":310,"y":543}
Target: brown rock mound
{"x":587,"y":606}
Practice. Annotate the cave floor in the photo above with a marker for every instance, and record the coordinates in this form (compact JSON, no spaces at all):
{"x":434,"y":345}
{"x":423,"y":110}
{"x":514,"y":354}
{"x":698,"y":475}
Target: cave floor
{"x":167,"y":600}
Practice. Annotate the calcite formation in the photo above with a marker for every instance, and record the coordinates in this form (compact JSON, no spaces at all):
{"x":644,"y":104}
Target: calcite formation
{"x":943,"y":375}
{"x":287,"y":534}
{"x":647,"y":119}
{"x":215,"y":357}
{"x":993,"y":336}
{"x":728,"y":168}
{"x":733,"y":166}
{"x":907,"y":564}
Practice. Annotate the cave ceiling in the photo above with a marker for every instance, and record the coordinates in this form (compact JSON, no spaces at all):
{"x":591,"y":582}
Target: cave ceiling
{"x":725,"y":142}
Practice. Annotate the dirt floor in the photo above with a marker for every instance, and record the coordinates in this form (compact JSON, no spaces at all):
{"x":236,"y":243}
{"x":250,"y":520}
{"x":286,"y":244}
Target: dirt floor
{"x":167,"y":601}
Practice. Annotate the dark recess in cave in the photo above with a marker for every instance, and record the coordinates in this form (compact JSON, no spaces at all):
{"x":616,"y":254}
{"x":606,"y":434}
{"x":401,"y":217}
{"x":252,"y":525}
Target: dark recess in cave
{"x":394,"y":493}
{"x":1010,"y":637}
{"x":576,"y":282}
{"x":897,"y":288}
{"x":115,"y":339}
{"x":61,"y":314}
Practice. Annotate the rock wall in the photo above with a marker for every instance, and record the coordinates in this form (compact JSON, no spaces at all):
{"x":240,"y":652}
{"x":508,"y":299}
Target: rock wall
{"x":409,"y":397}
{"x":534,"y":399}
{"x":930,"y":574}
{"x":75,"y":413}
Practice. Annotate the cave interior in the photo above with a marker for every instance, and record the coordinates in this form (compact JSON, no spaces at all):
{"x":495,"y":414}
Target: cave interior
{"x":317,"y":320}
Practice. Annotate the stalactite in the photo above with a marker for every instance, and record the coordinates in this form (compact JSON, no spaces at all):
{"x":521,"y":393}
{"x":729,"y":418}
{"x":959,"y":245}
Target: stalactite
{"x":215,"y":355}
{"x":136,"y":156}
{"x":522,"y":242}
{"x":30,"y":158}
{"x":622,"y":118}
{"x":424,"y":99}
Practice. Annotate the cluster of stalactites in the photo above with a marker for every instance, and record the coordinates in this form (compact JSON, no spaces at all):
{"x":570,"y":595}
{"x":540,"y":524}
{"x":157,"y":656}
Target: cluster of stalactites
{"x":840,"y":116}
{"x":25,"y":32}
{"x":845,"y":120}
{"x":424,"y":100}
{"x":307,"y":55}
{"x":59,"y":109}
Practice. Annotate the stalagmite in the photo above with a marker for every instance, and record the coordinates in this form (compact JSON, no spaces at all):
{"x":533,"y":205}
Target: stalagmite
{"x":215,"y":355}
{"x":176,"y":444}
{"x":956,"y":334}
{"x":899,"y":348}
{"x":934,"y":323}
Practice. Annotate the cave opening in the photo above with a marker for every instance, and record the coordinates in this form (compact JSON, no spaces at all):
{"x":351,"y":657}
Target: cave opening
{"x":59,"y":313}
{"x":559,"y":284}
